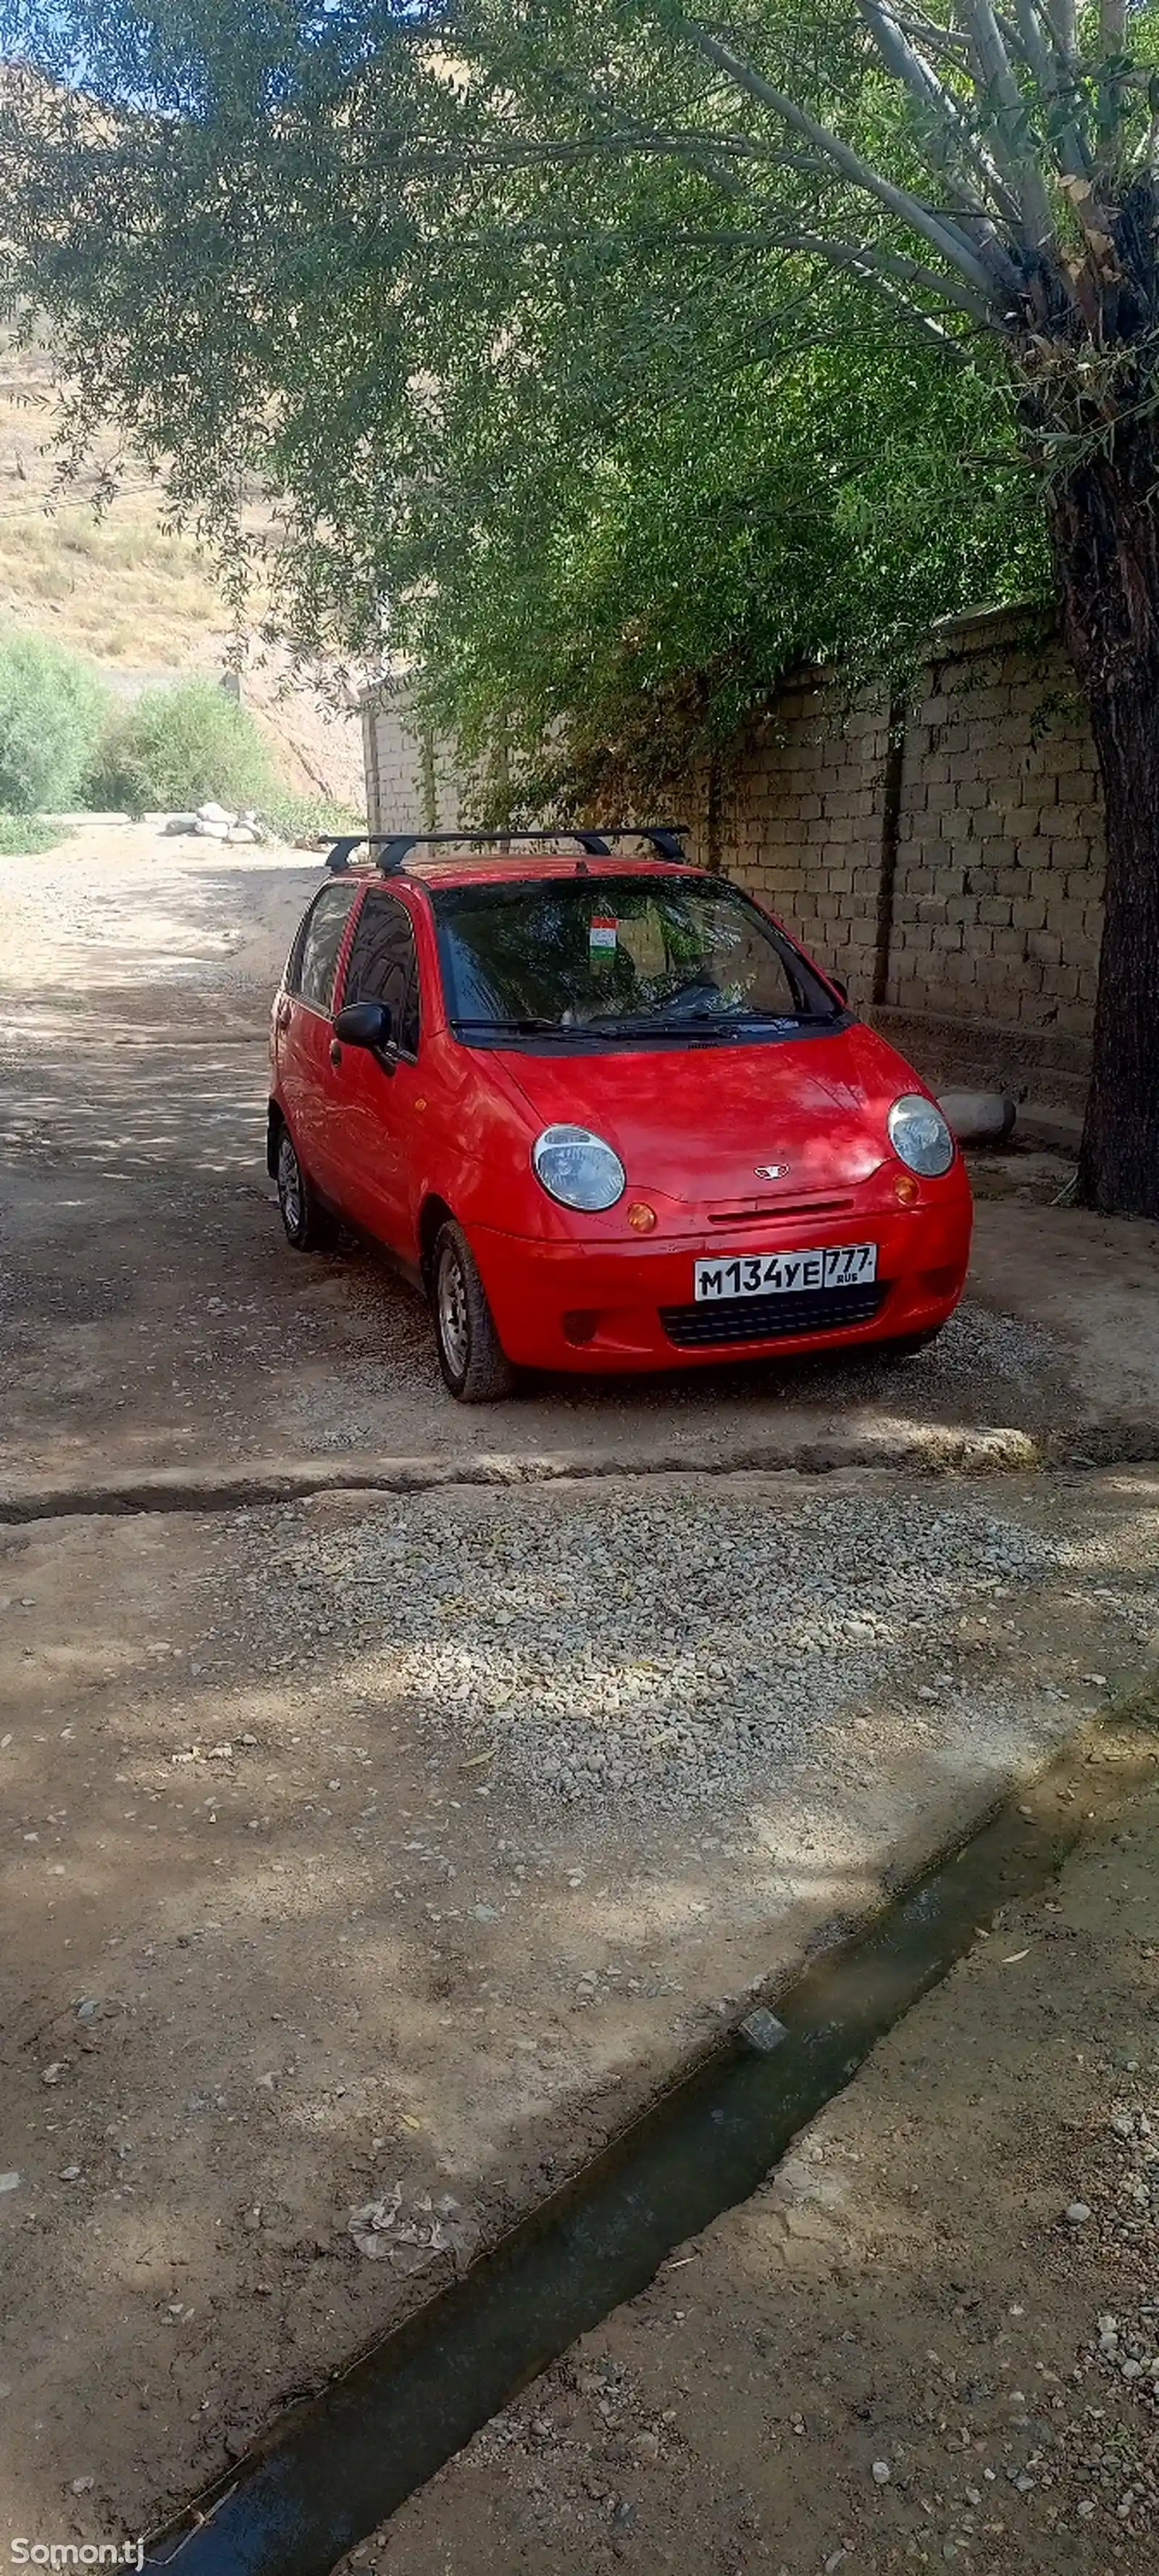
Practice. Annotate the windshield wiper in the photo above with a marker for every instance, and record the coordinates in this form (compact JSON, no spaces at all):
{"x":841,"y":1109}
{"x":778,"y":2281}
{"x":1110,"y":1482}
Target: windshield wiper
{"x":702,"y":1023}
{"x":518,"y":1028}
{"x":531,"y":1028}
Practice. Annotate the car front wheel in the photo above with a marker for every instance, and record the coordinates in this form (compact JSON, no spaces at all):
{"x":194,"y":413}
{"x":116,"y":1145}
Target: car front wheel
{"x":471,"y":1355}
{"x":308,"y":1224}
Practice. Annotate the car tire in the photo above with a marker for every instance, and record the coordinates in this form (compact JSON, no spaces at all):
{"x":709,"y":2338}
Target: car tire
{"x":474,"y":1363}
{"x":309,"y":1226}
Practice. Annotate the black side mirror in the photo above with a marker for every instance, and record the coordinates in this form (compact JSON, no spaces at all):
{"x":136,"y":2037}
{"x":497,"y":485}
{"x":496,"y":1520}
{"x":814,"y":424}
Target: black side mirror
{"x":364,"y":1024}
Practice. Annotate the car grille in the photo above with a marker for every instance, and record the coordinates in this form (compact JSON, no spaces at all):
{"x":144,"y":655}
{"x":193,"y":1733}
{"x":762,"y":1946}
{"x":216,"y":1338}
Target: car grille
{"x":773,"y":1319}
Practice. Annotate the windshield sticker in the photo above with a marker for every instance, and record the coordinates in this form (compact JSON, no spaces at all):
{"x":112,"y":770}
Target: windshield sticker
{"x":602,"y":933}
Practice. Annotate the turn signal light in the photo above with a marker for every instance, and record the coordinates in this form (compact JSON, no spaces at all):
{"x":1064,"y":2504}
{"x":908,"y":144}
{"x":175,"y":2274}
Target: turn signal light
{"x":906,"y":1189}
{"x":641,"y":1217}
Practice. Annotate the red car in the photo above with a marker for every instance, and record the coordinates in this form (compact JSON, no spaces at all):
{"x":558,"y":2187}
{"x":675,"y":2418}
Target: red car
{"x":605,"y":1112}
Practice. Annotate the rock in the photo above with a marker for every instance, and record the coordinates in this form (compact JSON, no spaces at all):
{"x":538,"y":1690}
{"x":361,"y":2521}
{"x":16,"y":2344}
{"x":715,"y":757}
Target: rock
{"x":241,"y":832}
{"x":52,"y":2074}
{"x":881,"y":2473}
{"x":207,"y":831}
{"x":763,"y":2031}
{"x":179,"y":823}
{"x":81,"y":2486}
{"x":1077,"y":2213}
{"x":211,"y":813}
{"x":979,"y":1117}
{"x":9,"y":2181}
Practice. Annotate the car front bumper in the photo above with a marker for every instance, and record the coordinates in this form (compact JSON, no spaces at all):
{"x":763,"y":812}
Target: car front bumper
{"x":603,"y":1306}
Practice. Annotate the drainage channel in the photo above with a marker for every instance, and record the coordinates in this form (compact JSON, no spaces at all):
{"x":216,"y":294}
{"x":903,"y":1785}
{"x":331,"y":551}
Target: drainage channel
{"x":333,"y":2468}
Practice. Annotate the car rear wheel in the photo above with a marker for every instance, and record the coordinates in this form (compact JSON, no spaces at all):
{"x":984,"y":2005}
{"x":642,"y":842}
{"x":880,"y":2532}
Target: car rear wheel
{"x":308,"y":1224}
{"x":471,"y":1355}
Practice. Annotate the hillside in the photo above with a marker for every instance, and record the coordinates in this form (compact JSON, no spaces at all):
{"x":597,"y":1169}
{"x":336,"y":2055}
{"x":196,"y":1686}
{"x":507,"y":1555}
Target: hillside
{"x":138,"y":600}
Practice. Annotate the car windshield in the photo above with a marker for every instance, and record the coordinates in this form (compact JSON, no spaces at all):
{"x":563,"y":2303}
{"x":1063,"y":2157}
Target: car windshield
{"x":595,"y":958}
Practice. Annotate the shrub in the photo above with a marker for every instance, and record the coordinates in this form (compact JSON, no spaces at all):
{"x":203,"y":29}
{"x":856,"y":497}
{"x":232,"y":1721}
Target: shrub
{"x":179,"y":747}
{"x":52,"y":709}
{"x":304,"y":818}
{"x":23,"y":834}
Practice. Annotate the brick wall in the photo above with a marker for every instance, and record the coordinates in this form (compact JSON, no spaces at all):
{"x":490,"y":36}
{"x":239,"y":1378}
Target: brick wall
{"x":410,"y":783}
{"x":948,"y":867}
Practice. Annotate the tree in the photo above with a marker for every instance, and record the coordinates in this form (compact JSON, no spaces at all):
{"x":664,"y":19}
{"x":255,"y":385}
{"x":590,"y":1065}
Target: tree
{"x":209,"y":182}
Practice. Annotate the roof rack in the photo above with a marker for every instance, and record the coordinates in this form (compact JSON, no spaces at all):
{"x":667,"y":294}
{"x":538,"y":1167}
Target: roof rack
{"x":397,"y":846}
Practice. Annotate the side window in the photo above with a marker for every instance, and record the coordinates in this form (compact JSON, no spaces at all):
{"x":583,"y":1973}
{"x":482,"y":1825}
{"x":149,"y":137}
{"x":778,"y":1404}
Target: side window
{"x":314,"y":955}
{"x":383,"y":967}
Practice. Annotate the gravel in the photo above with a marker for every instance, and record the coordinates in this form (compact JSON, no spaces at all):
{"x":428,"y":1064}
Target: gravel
{"x":975,"y":1344}
{"x":669,"y":1646}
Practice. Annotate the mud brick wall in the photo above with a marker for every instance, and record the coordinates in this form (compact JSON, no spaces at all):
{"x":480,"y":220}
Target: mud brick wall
{"x":798,"y":819}
{"x":944,"y":856}
{"x":410,"y":783}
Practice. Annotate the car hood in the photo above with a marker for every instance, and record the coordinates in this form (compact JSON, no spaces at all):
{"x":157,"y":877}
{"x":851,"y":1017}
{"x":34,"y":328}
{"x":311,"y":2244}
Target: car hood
{"x":697,"y":1123}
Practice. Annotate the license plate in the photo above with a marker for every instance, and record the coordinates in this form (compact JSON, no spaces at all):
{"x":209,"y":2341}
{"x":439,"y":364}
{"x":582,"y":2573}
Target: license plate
{"x":781,"y":1274}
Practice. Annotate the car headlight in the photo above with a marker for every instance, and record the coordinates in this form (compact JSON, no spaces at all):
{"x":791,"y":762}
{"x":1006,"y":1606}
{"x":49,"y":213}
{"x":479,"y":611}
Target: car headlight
{"x":919,"y":1135}
{"x":577,"y":1168}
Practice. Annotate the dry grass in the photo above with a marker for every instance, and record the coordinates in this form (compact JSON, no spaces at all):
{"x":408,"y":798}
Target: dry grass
{"x":121,"y":587}
{"x":137,"y":600}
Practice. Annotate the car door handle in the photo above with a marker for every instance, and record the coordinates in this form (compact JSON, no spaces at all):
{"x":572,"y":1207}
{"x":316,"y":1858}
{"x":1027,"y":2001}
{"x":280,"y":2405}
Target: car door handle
{"x":335,"y":1052}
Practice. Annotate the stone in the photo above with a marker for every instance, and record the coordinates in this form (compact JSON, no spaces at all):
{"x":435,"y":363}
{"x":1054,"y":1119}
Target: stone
{"x":881,"y":2473}
{"x":1077,"y":2213}
{"x":763,"y":2031}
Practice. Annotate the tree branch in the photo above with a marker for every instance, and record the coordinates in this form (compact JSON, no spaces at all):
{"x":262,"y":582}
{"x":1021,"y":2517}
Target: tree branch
{"x":1112,"y":29}
{"x":944,"y":237}
{"x":997,"y":75}
{"x":949,"y":138}
{"x":1044,"y":64}
{"x":871,"y":259}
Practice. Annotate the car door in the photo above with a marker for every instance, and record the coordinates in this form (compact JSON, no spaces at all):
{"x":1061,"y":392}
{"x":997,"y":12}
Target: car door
{"x":304,"y":1035}
{"x":376,"y":1095}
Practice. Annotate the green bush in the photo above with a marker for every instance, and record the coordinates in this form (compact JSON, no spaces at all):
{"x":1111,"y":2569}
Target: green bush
{"x":181,"y":746}
{"x":22,"y":834}
{"x":303,"y":818}
{"x":52,"y":710}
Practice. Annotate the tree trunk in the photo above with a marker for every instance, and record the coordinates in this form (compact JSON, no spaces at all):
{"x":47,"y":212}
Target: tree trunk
{"x":1105,"y":530}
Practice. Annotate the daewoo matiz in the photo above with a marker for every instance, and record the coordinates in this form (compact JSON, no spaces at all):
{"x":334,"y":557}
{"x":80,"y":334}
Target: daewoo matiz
{"x":605,"y":1111}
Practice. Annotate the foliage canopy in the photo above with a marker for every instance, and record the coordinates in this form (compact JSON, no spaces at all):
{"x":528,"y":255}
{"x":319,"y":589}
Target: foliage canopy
{"x":551,"y":415}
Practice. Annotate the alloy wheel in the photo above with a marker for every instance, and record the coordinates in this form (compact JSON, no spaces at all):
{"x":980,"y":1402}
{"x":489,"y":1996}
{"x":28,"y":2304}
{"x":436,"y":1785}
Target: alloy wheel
{"x":453,"y":1314}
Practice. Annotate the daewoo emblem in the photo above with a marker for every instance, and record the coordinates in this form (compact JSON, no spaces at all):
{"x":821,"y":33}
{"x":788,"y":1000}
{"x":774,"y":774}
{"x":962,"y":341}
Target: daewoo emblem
{"x":770,"y":1171}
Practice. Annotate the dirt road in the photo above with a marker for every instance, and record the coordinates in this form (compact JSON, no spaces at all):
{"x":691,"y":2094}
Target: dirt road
{"x":932,"y":2340}
{"x":151,"y":1316}
{"x":353,"y":1847}
{"x":384,"y":1843}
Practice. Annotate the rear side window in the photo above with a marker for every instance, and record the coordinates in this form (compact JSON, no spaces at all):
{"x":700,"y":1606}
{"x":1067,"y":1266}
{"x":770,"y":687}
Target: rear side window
{"x":314,"y":955}
{"x":383,"y":967}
